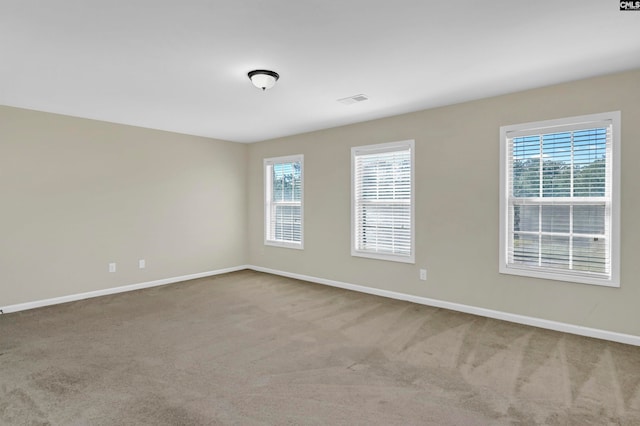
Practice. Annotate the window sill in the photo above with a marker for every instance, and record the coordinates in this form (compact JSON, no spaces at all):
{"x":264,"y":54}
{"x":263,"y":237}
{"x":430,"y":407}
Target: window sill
{"x":559,"y":276}
{"x":387,"y":257}
{"x":284,"y":244}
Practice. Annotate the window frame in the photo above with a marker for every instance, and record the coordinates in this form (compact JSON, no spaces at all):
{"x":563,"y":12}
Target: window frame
{"x":381,"y":148}
{"x":268,"y":164}
{"x":557,"y":126}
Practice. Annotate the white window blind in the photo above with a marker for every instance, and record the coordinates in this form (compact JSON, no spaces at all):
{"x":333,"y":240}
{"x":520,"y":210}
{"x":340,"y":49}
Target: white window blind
{"x":559,"y":213}
{"x":382,"y":205}
{"x":283,"y":201}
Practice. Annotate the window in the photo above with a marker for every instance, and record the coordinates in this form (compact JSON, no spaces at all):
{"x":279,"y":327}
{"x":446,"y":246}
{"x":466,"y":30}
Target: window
{"x":382,"y":207}
{"x":559,"y":204}
{"x":283,"y":197}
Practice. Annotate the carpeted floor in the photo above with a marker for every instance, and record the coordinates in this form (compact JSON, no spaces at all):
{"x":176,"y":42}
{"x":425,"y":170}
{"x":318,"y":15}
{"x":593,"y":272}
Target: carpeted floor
{"x":254,"y":349}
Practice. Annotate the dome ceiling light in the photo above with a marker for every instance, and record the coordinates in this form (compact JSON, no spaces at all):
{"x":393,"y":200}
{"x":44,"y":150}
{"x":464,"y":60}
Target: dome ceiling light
{"x":263,"y":79}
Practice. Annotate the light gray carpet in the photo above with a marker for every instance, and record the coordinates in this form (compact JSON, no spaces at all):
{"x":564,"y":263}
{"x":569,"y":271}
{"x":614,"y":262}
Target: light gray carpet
{"x":255,"y":349}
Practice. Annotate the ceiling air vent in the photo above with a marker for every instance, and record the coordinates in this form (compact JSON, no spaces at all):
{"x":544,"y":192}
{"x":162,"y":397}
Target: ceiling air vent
{"x":353,"y":99}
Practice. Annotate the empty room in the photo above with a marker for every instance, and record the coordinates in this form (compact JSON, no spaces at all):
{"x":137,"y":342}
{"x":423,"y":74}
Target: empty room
{"x":319,"y":213}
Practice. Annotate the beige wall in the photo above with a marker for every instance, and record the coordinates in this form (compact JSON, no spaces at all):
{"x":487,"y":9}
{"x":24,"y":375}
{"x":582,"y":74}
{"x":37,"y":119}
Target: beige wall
{"x":77,"y":194}
{"x":457,"y":172}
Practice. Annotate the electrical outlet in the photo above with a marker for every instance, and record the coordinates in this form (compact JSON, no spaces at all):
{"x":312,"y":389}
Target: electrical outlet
{"x":112,"y":267}
{"x":142,"y":264}
{"x":423,"y":274}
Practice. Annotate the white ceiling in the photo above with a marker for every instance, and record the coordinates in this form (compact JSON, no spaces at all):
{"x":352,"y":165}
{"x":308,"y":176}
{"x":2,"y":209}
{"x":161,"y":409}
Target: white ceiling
{"x":182,"y":65}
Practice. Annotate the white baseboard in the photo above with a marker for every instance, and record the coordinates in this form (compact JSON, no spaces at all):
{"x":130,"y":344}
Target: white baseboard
{"x":114,"y":290}
{"x":489,"y":313}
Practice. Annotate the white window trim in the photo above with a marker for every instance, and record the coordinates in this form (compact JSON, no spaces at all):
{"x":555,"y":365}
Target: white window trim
{"x":268,"y":186}
{"x":369,"y":149}
{"x":559,"y":125}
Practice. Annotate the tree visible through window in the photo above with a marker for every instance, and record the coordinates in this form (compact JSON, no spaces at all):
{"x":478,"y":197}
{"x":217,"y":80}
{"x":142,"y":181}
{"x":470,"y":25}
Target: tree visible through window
{"x":283,"y":201}
{"x":558,"y":200}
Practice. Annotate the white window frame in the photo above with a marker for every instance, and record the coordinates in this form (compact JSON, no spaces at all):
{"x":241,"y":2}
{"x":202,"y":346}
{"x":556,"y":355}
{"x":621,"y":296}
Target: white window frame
{"x":507,"y":133}
{"x":372,"y":149}
{"x":269,"y":204}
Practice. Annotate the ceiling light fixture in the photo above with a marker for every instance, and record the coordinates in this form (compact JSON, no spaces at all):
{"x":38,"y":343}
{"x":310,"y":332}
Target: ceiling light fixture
{"x":263,"y":79}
